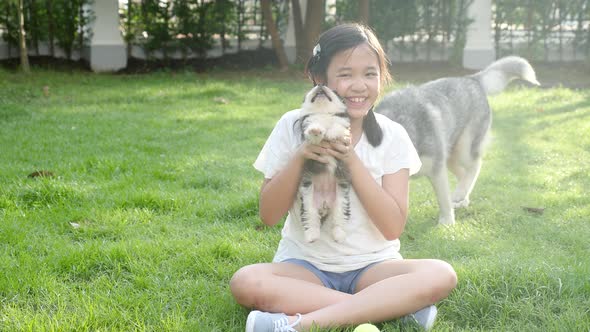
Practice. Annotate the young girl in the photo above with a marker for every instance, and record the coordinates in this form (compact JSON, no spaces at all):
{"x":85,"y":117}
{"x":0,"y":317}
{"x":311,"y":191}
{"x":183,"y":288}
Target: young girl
{"x":363,"y":278}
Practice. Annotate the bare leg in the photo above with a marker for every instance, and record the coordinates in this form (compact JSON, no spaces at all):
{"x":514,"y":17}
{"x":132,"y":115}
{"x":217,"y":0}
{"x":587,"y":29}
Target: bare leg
{"x":281,"y":287}
{"x":387,"y":290}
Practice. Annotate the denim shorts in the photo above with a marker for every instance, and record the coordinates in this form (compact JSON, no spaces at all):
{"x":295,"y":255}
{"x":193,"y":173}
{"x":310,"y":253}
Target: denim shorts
{"x":344,"y":281}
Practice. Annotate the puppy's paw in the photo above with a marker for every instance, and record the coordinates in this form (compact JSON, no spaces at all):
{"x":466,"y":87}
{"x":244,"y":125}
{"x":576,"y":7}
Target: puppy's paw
{"x":338,"y":134}
{"x":315,"y":134}
{"x":338,"y":234}
{"x":312,"y":234}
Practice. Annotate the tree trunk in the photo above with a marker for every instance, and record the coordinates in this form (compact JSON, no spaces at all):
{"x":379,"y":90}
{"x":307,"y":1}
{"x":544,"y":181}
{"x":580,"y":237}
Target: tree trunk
{"x":240,"y":13}
{"x":364,"y":11}
{"x":81,"y":24}
{"x":307,"y":32}
{"x":130,"y":13}
{"x":300,"y":56}
{"x":50,"y":28}
{"x":271,"y":27}
{"x":35,"y":34}
{"x":314,"y":17}
{"x":24,"y":57}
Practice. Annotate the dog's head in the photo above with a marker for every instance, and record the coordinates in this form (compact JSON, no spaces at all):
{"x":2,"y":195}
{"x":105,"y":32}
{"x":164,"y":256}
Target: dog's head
{"x":322,"y":99}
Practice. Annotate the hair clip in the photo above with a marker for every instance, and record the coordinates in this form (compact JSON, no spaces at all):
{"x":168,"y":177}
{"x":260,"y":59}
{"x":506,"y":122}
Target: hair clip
{"x":316,"y":50}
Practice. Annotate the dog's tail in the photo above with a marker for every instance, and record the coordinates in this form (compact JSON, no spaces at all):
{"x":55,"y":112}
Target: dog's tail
{"x":495,"y":77}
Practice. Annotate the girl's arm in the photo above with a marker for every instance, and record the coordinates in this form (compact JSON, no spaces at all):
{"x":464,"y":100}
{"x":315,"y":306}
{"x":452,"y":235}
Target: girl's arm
{"x":386,"y":205}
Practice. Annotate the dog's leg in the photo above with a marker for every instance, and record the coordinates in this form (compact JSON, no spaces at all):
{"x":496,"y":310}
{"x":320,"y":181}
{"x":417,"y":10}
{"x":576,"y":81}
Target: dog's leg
{"x":465,"y":163}
{"x":466,"y":184}
{"x":309,"y":215}
{"x":456,"y":168}
{"x":341,"y":211}
{"x":440,"y":183}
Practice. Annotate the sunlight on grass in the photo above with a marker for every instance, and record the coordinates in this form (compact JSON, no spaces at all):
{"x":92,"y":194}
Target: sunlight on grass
{"x":153,"y":202}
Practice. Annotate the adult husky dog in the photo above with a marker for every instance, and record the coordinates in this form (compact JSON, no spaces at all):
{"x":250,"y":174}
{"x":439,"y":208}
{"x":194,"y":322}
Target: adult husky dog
{"x":324,"y":188}
{"x":448,"y":120}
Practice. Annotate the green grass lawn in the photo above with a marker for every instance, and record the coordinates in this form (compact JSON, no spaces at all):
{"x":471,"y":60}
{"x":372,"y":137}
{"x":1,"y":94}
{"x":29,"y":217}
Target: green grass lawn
{"x":153,"y":205}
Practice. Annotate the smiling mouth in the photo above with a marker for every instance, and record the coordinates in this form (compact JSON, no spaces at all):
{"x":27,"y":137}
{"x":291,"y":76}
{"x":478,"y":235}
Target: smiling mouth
{"x":357,"y":100}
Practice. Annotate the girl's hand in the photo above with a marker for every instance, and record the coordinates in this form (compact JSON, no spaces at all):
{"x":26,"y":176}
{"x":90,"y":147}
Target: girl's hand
{"x":317,"y":152}
{"x":341,"y":149}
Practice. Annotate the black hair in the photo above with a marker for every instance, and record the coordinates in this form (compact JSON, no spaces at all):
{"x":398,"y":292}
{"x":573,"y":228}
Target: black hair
{"x":344,"y":37}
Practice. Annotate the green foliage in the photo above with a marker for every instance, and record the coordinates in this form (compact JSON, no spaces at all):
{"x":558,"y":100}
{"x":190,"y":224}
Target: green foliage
{"x":71,"y":23}
{"x":540,"y":23}
{"x":185,"y":25}
{"x":9,"y":20}
{"x":64,"y":22}
{"x":192,"y":27}
{"x":437,"y":24}
{"x":198,"y":22}
{"x":156,"y":23}
{"x":407,"y":24}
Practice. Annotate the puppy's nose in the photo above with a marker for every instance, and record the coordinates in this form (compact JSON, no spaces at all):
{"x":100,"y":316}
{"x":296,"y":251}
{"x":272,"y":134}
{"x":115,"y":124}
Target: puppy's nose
{"x":322,"y":90}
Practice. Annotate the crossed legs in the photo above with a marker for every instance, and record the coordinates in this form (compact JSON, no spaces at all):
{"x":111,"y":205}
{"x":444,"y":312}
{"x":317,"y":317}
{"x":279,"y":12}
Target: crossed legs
{"x":387,"y":290}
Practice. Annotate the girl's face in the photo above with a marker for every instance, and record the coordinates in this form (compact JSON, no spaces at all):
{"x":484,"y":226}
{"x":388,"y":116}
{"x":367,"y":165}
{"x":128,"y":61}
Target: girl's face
{"x":354,"y":74}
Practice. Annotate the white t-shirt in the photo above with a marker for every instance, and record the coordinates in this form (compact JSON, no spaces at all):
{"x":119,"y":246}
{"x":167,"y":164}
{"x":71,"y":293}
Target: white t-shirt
{"x":364,"y":244}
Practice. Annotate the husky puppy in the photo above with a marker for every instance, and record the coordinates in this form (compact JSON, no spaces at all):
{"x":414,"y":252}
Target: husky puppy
{"x":324,"y":188}
{"x":448,"y":120}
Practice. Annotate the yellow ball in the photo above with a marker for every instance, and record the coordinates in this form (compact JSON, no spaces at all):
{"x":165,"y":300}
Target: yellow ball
{"x":366,"y":328}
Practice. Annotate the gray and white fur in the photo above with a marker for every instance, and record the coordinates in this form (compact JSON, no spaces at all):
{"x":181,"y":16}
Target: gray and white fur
{"x":323,"y":195}
{"x":448,"y":121}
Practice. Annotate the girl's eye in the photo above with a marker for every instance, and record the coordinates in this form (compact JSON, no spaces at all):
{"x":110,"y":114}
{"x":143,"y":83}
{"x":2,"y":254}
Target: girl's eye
{"x":371,"y":74}
{"x":343,"y":75}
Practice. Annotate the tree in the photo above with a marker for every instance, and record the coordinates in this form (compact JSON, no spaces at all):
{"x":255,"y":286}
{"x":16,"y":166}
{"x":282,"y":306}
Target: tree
{"x":50,"y":27}
{"x":24,"y":57}
{"x":299,"y":34}
{"x":315,"y":12}
{"x":271,"y":27}
{"x":306,"y":34}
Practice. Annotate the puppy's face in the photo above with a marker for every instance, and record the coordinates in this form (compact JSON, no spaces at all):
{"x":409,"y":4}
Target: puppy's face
{"x":322,"y":99}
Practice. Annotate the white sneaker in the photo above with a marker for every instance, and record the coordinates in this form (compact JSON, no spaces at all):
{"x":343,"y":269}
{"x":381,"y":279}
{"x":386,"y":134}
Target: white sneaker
{"x":424,"y":317}
{"x":259,"y":321}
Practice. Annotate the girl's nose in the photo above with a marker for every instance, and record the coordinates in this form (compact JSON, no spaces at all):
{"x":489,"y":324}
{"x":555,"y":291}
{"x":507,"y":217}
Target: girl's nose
{"x":358,"y":84}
